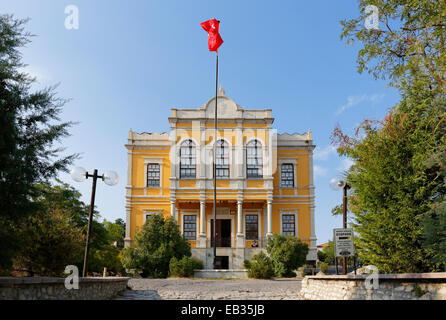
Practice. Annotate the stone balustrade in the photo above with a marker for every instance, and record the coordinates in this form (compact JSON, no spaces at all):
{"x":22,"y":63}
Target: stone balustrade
{"x":28,"y":288}
{"x":406,"y":286}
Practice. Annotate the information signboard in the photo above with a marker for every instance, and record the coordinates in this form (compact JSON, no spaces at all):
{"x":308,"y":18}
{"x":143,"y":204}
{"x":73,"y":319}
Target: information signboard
{"x":343,"y":242}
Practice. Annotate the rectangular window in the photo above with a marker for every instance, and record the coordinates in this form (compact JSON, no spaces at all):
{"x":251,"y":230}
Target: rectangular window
{"x":190,"y":227}
{"x":287,"y":175}
{"x":153,"y":175}
{"x":288,"y":225}
{"x":252,"y":226}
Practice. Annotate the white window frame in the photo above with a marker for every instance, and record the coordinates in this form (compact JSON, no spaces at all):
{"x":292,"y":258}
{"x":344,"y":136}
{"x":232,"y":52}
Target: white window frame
{"x":196,"y":155}
{"x":210,"y":158}
{"x":158,"y":161}
{"x":228,"y":147}
{"x":245,"y":161}
{"x":292,"y":161}
{"x":257,"y":213}
{"x":296,"y":224}
{"x":197,"y":223}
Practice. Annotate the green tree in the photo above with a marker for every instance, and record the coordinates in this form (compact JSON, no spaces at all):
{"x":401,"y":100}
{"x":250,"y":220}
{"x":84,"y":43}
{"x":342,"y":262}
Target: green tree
{"x":393,"y":187}
{"x":287,"y":253}
{"x":54,"y":236}
{"x":410,"y":42}
{"x":434,"y":221}
{"x":158,"y":242}
{"x":116,"y":232}
{"x":52,"y":240}
{"x":29,"y":129}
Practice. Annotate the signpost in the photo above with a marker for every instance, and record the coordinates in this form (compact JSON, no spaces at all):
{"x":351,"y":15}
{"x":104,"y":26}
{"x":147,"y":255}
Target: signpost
{"x":343,"y":245}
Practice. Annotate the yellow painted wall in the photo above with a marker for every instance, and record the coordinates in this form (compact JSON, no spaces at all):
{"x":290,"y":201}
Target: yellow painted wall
{"x":160,"y":197}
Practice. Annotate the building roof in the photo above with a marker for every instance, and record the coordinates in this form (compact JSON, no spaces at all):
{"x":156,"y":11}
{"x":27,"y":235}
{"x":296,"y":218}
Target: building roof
{"x":228,"y":111}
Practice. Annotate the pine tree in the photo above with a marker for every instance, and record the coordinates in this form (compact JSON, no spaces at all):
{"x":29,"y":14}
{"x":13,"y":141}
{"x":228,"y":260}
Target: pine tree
{"x":29,"y":128}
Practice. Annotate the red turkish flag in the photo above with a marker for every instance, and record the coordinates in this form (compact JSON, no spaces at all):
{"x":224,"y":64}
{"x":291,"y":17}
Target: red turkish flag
{"x":211,"y":27}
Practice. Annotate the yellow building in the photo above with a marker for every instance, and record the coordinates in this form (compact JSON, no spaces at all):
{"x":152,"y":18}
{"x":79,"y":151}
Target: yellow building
{"x":264,"y":181}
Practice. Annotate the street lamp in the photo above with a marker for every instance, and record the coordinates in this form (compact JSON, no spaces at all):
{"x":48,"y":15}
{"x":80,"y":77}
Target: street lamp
{"x":110,"y":178}
{"x":338,"y":183}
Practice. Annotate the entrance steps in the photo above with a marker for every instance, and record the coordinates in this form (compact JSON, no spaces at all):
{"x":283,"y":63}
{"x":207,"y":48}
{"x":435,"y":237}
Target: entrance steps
{"x":221,"y":274}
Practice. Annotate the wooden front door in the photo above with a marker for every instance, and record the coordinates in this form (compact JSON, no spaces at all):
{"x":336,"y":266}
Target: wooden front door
{"x":223,"y":235}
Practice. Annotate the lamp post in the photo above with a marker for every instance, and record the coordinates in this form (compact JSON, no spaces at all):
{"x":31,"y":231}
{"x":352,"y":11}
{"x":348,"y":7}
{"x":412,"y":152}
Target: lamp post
{"x":336,"y":184}
{"x":110,"y":178}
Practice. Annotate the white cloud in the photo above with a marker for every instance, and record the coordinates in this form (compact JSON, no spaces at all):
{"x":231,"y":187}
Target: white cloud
{"x":357,"y":99}
{"x":319,"y":171}
{"x":324,"y":153}
{"x":346,"y":164}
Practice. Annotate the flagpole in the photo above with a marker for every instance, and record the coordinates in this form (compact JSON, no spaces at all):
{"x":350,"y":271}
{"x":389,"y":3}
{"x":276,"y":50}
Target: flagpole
{"x":214,"y":165}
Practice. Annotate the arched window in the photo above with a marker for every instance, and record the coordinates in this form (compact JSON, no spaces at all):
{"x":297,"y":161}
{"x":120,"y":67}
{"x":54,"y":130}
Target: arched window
{"x":254,"y":164}
{"x":187,"y":159}
{"x":222,"y":160}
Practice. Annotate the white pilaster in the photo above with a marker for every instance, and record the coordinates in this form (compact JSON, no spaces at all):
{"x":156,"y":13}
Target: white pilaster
{"x":313,"y":240}
{"x":269,"y":212}
{"x":202,"y":234}
{"x":172,"y":208}
{"x":240,"y":234}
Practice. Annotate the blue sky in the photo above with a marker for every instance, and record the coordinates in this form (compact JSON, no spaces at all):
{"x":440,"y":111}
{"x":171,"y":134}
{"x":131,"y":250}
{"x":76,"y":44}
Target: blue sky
{"x":131,"y":61}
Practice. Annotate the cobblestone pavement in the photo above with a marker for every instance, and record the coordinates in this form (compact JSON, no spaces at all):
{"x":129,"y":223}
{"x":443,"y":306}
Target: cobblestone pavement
{"x":200,"y":289}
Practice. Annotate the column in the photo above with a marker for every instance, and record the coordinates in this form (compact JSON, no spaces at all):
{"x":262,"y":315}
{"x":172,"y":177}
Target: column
{"x":240,"y":235}
{"x":202,"y":234}
{"x":269,"y":212}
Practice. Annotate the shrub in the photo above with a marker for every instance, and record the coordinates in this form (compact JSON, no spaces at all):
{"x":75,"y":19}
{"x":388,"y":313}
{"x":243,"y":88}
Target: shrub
{"x":324,"y":267}
{"x":158,"y":242}
{"x":287,"y":253}
{"x":184,"y":267}
{"x":260,"y":267}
